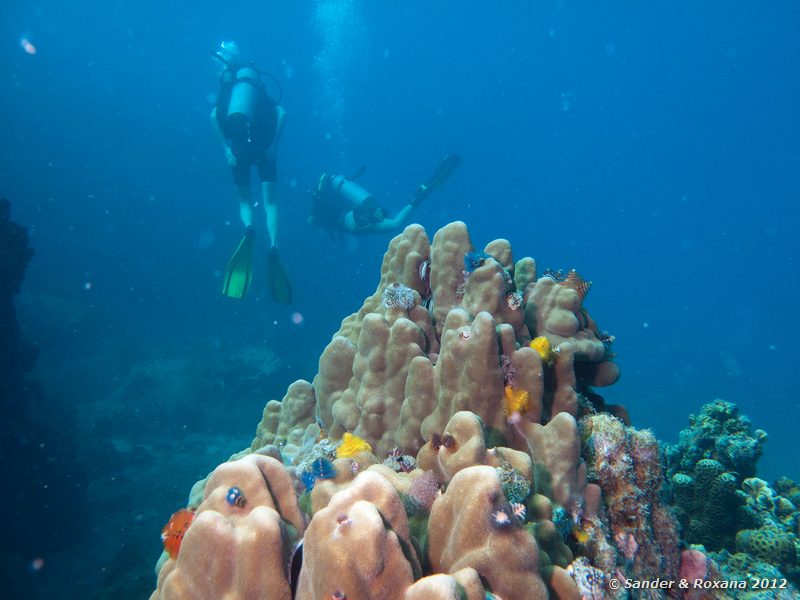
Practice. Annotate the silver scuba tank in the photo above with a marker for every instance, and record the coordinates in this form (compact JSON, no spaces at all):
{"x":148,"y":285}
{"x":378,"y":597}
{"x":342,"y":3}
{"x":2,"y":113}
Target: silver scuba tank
{"x":244,"y":100}
{"x":350,"y":190}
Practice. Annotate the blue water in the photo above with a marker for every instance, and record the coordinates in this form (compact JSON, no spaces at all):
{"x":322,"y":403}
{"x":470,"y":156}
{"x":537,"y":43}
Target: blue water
{"x":652,"y":146}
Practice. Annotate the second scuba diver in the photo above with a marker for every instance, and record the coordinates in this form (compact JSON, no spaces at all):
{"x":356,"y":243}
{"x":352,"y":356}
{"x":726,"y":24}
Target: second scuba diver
{"x":343,"y":206}
{"x":250,"y":123}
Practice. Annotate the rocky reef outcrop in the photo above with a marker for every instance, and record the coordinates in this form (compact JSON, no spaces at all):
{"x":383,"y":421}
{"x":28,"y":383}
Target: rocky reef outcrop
{"x":44,"y":501}
{"x":747,"y":525}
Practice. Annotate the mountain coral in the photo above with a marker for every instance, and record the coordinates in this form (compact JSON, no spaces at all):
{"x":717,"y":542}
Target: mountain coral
{"x":450,"y":435}
{"x":424,"y":490}
{"x":463,"y":532}
{"x":229,"y":550}
{"x":364,"y":531}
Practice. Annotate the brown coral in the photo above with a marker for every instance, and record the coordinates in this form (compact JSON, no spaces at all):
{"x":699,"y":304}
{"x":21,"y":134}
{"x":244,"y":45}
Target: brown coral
{"x":367,"y":515}
{"x":231,"y":550}
{"x":461,"y":534}
{"x":395,"y":379}
{"x":425,"y":378}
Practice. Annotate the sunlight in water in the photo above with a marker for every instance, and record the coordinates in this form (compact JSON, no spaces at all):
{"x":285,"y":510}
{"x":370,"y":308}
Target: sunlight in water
{"x":343,"y":36}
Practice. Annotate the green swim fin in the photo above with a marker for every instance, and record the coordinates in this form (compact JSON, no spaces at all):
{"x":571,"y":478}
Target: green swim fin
{"x":443,"y":171}
{"x":279,"y":283}
{"x":239,"y":273}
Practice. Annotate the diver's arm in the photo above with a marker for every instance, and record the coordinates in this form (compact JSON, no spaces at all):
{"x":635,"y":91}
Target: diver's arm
{"x":395,"y":222}
{"x":348,"y":222}
{"x":217,"y":128}
{"x":281,"y":121}
{"x":225,"y":143}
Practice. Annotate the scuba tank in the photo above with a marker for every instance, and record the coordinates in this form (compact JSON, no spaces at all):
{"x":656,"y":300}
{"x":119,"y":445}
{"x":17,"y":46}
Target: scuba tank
{"x":338,"y":199}
{"x":243,"y":102}
{"x":351,"y":191}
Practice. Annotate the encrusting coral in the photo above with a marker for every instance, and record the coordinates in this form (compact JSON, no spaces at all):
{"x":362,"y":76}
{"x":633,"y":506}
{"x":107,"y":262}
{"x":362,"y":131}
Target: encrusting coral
{"x":626,"y":464}
{"x":437,"y":453}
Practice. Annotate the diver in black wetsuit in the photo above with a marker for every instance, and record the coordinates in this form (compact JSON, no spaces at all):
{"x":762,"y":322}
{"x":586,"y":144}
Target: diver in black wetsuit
{"x":250,"y":124}
{"x":343,"y":206}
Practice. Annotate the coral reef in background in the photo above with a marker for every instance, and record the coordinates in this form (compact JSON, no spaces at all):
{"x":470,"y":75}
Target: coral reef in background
{"x":450,"y":446}
{"x":187,"y":386}
{"x":44,"y":505}
{"x":707,"y":466}
{"x":717,"y":433}
{"x":748,"y":526}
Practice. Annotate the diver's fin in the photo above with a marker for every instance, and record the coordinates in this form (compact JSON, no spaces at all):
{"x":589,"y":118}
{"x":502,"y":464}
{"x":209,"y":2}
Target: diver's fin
{"x":279,"y":283}
{"x":443,"y":171}
{"x":359,"y":172}
{"x":239,"y":273}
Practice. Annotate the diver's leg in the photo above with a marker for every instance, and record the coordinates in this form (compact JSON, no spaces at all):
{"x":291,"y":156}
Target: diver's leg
{"x":268,"y":173}
{"x":271,"y":208}
{"x":241,"y":179}
{"x":245,"y":205}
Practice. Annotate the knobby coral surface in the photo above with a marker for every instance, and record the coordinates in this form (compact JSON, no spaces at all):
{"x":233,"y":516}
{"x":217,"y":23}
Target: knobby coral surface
{"x":464,"y":475}
{"x":395,"y":374}
{"x":234,"y":547}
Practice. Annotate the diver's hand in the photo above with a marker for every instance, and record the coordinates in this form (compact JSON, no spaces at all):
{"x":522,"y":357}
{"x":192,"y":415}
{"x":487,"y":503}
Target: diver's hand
{"x":230,"y":157}
{"x":422,"y":192}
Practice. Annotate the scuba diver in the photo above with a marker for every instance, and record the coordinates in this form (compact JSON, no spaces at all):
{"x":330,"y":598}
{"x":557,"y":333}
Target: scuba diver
{"x":250,"y":124}
{"x":343,"y":206}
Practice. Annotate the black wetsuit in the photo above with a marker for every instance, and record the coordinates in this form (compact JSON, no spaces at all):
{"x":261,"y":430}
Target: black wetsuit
{"x":249,"y":140}
{"x":330,"y":209}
